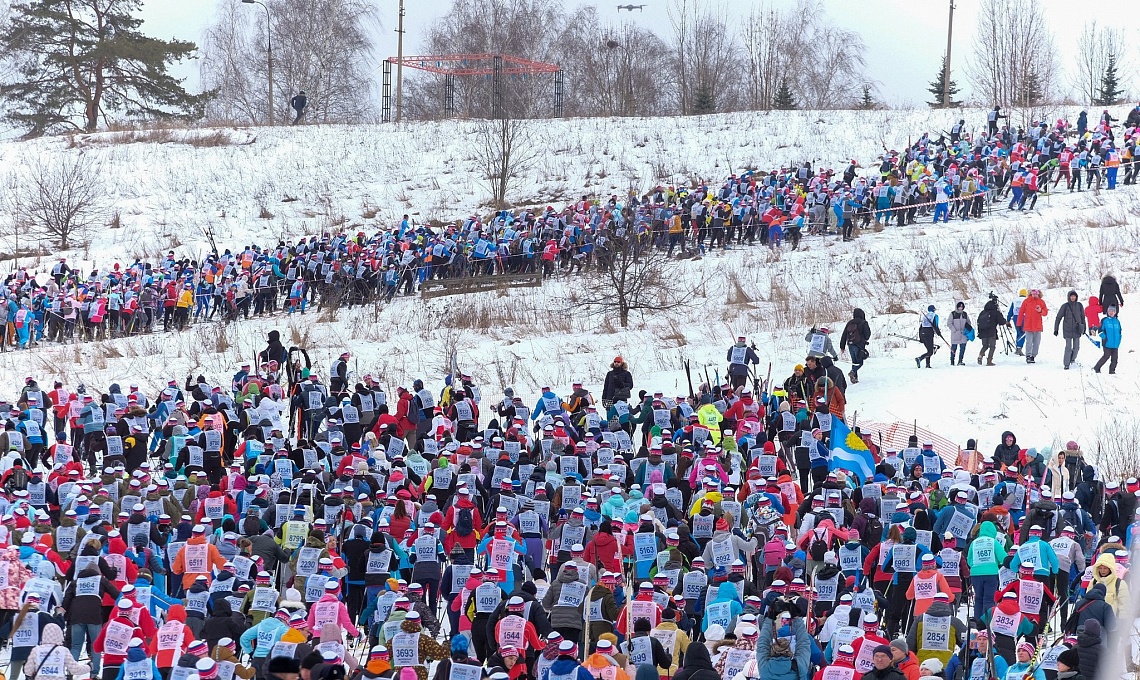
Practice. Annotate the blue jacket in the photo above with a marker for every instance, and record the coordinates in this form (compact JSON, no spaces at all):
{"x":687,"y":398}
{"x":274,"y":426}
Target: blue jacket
{"x":780,"y":668}
{"x":1110,"y":332}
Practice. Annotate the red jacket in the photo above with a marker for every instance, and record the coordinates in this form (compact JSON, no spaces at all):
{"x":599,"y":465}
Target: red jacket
{"x":1093,"y":310}
{"x":603,"y":548}
{"x":1031,"y":317}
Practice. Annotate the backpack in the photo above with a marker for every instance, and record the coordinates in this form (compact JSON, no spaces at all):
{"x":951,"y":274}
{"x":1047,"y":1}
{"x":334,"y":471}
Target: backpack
{"x":872,"y":533}
{"x":1071,"y":517}
{"x":818,"y":546}
{"x":464,"y":522}
{"x":1042,"y":518}
{"x":18,"y":479}
{"x":415,"y":411}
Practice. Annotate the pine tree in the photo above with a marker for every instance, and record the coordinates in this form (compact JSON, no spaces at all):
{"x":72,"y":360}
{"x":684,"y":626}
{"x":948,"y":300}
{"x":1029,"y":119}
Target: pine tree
{"x":77,"y":62}
{"x":1031,"y":93}
{"x":867,"y":102}
{"x":1109,"y":92}
{"x":784,"y":99}
{"x":704,"y":101}
{"x":935,"y":89}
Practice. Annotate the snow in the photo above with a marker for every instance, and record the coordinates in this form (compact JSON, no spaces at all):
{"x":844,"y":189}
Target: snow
{"x":166,"y":191}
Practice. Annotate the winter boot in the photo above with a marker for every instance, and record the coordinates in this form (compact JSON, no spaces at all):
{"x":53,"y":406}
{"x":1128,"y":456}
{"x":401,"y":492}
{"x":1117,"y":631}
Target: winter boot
{"x":1019,"y":352}
{"x":918,"y":362}
{"x":990,"y":363}
{"x":960,"y":362}
{"x":979,"y":359}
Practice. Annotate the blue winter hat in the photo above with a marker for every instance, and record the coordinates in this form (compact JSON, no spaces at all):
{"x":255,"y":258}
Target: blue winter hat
{"x":459,"y":644}
{"x":930,"y":308}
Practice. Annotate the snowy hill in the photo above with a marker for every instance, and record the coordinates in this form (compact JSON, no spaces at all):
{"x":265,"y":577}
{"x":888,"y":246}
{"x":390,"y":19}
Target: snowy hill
{"x":311,"y":177}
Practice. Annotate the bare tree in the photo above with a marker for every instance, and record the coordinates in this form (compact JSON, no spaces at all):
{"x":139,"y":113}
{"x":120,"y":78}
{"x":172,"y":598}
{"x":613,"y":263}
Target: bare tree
{"x":705,"y":56}
{"x":1095,"y":46}
{"x":772,"y":40}
{"x":1014,"y":61}
{"x":633,"y":276}
{"x":64,"y":198}
{"x":323,"y":47}
{"x":504,"y":150}
{"x":616,"y":70}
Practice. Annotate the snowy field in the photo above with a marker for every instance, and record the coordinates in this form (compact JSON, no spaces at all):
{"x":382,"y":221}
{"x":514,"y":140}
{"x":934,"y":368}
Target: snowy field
{"x":314,"y":178}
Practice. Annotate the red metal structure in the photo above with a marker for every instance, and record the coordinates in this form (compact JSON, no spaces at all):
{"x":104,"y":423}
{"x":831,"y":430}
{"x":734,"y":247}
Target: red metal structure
{"x":451,"y":66}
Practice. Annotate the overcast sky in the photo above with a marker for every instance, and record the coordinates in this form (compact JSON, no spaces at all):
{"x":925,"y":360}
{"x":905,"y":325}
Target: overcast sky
{"x":905,"y":39}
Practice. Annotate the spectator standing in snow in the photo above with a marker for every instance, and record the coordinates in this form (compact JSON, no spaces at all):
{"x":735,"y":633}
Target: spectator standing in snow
{"x":1072,"y":315}
{"x":856,"y":335}
{"x":1110,"y":295}
{"x":1109,"y":340}
{"x":959,"y":324}
{"x":1012,"y":315}
{"x":1031,"y":318}
{"x":299,"y":102}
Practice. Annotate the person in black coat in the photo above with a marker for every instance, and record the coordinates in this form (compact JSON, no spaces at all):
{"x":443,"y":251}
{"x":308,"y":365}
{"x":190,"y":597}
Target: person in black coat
{"x":1006,"y":452}
{"x":619,"y":383}
{"x":299,"y":102}
{"x":1090,"y":644}
{"x":698,"y":664}
{"x":987,"y":329}
{"x":274,"y":350}
{"x":1091,"y":607}
{"x":856,"y":334}
{"x":1110,"y":295}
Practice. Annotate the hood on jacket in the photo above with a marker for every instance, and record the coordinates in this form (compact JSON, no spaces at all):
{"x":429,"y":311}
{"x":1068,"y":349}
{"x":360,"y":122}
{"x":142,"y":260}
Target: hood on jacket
{"x":988,"y":529}
{"x":222,"y":608}
{"x":859,"y":314}
{"x":176,"y":612}
{"x":564,"y":576}
{"x":1005,"y":434}
{"x":937,"y":608}
{"x":697,"y":657}
{"x":330,"y":633}
{"x":1105,"y":560}
{"x":46,"y":570}
{"x":867,"y":506}
{"x":1095,"y":592}
{"x":136,"y":654}
{"x":51,"y":635}
{"x":567,"y":666}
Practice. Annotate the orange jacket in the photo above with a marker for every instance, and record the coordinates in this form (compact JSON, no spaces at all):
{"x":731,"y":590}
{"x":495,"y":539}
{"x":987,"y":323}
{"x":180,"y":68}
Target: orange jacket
{"x":1032,"y":315}
{"x":213,"y":559}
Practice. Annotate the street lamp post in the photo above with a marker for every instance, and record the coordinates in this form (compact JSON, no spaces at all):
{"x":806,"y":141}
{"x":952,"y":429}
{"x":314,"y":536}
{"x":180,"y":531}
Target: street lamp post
{"x":269,"y":38}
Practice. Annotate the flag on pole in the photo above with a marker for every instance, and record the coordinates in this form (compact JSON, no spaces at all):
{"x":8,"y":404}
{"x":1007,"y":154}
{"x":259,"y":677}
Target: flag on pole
{"x":849,"y":453}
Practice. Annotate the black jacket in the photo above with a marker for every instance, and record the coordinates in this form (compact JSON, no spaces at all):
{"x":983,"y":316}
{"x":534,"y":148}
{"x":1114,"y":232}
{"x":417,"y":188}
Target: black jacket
{"x":1089,"y":648}
{"x":857,"y":331}
{"x":1006,"y":455}
{"x":698,"y":665}
{"x":1110,"y":295}
{"x":1072,"y":313}
{"x":1091,"y":606}
{"x":889,"y":673}
{"x":618,"y":385}
{"x":989,"y":319}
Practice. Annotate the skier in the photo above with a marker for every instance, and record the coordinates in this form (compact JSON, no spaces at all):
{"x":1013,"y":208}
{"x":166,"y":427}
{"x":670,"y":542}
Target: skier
{"x":1031,"y":318}
{"x":992,"y":119}
{"x":1072,"y":313}
{"x":739,"y":356}
{"x":927,"y":329}
{"x":819,"y":343}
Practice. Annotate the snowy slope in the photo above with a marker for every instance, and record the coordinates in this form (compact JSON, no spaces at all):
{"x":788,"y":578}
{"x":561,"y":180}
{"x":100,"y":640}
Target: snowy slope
{"x":164,"y":191}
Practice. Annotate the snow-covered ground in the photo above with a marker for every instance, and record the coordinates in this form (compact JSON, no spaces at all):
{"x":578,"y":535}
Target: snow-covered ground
{"x":312,"y":177}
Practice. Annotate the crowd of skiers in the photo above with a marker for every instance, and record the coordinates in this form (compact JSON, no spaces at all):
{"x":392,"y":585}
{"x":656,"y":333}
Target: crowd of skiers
{"x":1022,"y":325}
{"x":318,"y":527}
{"x":953,"y":174}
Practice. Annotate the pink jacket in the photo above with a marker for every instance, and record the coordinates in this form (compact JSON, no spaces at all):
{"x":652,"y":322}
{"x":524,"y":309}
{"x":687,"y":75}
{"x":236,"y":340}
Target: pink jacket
{"x":342,"y":618}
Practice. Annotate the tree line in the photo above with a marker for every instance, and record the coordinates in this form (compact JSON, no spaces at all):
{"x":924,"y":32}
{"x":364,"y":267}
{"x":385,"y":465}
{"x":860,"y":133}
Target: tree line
{"x":83,"y":65}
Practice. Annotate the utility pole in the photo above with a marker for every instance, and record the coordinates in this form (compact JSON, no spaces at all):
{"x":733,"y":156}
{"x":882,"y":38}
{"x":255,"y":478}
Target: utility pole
{"x":400,"y":66}
{"x":949,"y":46}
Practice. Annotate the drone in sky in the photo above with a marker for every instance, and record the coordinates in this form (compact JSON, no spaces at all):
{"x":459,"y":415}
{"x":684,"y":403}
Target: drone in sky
{"x":630,"y":8}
